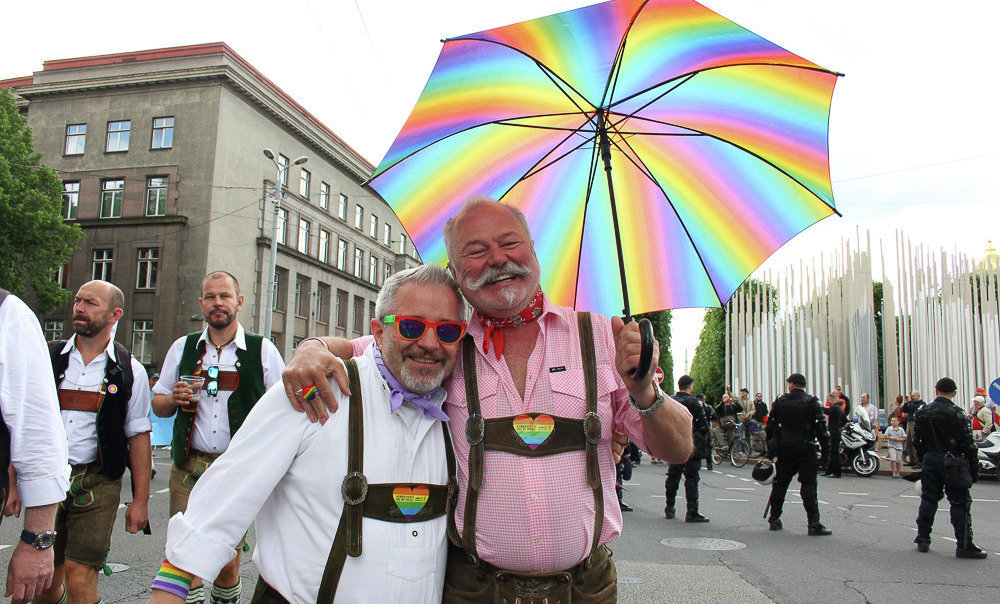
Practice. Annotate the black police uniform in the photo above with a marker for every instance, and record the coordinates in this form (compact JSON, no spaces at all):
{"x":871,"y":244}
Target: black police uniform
{"x":943,"y":419}
{"x":795,"y":422}
{"x":692,"y":467}
{"x":835,"y":425}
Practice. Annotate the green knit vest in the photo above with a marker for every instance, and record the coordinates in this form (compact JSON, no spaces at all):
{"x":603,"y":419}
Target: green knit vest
{"x":241,"y":401}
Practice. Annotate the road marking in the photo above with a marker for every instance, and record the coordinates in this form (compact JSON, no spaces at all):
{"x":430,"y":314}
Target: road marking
{"x":746,"y":480}
{"x":987,"y":500}
{"x":730,"y":476}
{"x":870,"y":505}
{"x":843,"y":509}
{"x":3,"y":547}
{"x":716,"y":472}
{"x":740,"y":488}
{"x":723,"y":499}
{"x":823,"y":502}
{"x":855,"y":494}
{"x":952,"y":539}
{"x":658,"y":496}
{"x":874,"y":517}
{"x":910,"y":496}
{"x":121,"y":505}
{"x":163,"y":490}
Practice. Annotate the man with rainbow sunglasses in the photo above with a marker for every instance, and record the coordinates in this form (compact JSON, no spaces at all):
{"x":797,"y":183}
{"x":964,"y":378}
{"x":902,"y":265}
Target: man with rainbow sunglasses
{"x":352,"y":510}
{"x":533,"y":403}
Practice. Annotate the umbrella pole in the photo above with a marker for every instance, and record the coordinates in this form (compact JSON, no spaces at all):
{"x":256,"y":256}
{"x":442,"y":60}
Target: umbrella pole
{"x":605,"y":144}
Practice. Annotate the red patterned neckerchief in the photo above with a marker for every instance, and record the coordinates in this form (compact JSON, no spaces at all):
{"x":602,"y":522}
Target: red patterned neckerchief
{"x":494,"y":327}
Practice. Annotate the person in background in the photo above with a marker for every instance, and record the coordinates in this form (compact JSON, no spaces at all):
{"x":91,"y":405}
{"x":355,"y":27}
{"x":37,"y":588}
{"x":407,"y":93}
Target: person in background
{"x":843,"y":396}
{"x":897,"y":439}
{"x":835,"y":421}
{"x":908,"y":411}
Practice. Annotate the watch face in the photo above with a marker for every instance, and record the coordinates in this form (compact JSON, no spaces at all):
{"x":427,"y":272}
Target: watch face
{"x":45,"y":540}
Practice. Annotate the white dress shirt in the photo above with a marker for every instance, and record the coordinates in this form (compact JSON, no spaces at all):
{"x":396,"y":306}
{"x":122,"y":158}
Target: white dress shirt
{"x":287,"y":472}
{"x":211,"y":424}
{"x":30,"y":408}
{"x":81,"y":426}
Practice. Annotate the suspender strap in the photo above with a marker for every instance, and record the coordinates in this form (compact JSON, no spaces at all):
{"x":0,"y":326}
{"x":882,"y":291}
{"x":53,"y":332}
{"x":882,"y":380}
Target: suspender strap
{"x":348,"y":538}
{"x":591,"y":423}
{"x":475,"y":432}
{"x":452,"y":487}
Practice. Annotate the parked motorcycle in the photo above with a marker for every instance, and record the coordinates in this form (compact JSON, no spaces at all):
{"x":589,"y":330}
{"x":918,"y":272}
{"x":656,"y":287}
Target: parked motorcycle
{"x":989,"y":453}
{"x":858,"y":447}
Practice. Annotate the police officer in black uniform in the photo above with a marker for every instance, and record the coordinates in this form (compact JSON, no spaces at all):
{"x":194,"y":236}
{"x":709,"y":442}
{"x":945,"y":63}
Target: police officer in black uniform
{"x":942,"y":428}
{"x":795,"y":422}
{"x":692,"y":468}
{"x":835,"y":425}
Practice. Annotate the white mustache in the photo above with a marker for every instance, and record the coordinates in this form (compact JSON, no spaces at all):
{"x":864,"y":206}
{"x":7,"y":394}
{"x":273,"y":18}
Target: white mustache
{"x":510,"y":268}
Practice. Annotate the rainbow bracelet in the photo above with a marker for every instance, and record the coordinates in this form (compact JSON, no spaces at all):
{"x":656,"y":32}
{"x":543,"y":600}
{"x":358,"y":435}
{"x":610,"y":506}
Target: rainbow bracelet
{"x":173,"y":580}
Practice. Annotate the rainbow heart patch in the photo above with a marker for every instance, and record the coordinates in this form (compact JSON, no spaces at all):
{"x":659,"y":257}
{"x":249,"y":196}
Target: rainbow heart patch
{"x":533,"y":431}
{"x":410,"y":500}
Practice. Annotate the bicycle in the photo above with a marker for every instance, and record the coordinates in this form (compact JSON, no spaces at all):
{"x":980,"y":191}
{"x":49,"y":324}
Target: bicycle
{"x":723,"y":438}
{"x":745,"y":446}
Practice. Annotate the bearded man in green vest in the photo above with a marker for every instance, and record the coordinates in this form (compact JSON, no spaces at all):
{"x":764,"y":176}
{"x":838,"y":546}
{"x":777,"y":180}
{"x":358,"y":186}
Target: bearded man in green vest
{"x":237,"y":368}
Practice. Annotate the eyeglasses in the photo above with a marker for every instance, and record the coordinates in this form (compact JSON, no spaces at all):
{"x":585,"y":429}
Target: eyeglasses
{"x":212,"y":386}
{"x":412,"y":328}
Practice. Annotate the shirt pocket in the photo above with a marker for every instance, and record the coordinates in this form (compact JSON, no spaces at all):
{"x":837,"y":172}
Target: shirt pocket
{"x":489,"y":385}
{"x":570,"y":390}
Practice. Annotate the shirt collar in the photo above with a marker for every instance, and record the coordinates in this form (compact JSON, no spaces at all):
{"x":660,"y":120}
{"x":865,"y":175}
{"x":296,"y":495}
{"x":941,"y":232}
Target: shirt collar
{"x":240,"y":340}
{"x":550,"y":313}
{"x":71,"y":345}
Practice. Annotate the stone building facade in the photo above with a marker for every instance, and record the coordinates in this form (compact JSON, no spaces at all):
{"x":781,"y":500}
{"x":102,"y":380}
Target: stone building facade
{"x":160,"y":153}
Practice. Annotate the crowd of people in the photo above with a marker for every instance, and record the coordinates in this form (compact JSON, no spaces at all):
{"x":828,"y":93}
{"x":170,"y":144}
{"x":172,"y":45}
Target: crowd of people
{"x":432,"y":436}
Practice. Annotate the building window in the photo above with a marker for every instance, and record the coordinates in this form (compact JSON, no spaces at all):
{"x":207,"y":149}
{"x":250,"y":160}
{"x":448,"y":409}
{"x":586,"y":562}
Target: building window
{"x":283,"y":165}
{"x":282,"y":226}
{"x":61,"y":275}
{"x":53,"y":330}
{"x":402,"y":243}
{"x":341,"y":308}
{"x":359,"y":260}
{"x":299,"y":300}
{"x":281,"y":291}
{"x":102,"y":264}
{"x":303,"y":243}
{"x":386,"y":234}
{"x":359,"y":314}
{"x":342,"y":255}
{"x":111,"y":197}
{"x":373,"y":227}
{"x":324,"y":195}
{"x":324,"y":246}
{"x":359,"y":217}
{"x":76,"y":139}
{"x":304,"y":178}
{"x":71,"y":199}
{"x":373,"y":270}
{"x":149,"y":258}
{"x":156,"y":196}
{"x":342,"y":210}
{"x":163,"y":133}
{"x":388,"y":271}
{"x":118,"y":133}
{"x":323,"y":303}
{"x":142,"y":341}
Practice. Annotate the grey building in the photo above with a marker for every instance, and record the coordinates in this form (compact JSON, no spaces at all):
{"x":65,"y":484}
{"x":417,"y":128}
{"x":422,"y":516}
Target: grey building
{"x":160,"y":152}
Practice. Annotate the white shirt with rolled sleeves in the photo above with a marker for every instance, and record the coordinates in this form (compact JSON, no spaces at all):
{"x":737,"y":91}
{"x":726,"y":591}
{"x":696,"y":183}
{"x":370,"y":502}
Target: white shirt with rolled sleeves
{"x":211,"y":424}
{"x":30,"y":408}
{"x":287,"y":473}
{"x":81,"y":426}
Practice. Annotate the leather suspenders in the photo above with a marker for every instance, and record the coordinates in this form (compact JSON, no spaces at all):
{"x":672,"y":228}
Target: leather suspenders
{"x":390,"y":502}
{"x":505,"y":434}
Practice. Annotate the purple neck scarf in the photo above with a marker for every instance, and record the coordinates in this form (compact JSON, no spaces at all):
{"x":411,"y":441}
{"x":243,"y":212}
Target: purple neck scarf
{"x":399,"y":392}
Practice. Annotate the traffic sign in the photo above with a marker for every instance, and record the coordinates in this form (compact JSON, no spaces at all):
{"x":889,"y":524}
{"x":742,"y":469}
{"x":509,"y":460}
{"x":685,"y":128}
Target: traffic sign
{"x":659,"y":376}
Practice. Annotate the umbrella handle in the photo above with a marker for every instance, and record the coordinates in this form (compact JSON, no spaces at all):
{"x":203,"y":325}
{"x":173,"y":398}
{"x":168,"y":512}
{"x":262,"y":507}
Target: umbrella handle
{"x":648,"y":340}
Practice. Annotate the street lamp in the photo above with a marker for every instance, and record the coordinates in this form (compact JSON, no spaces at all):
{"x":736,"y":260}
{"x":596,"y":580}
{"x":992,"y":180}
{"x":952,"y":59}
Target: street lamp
{"x":271,"y":279}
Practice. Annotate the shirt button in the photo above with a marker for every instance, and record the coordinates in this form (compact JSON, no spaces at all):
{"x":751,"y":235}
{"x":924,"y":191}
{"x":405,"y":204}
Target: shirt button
{"x":534,"y":497}
{"x":414,"y":533}
{"x":538,"y":538}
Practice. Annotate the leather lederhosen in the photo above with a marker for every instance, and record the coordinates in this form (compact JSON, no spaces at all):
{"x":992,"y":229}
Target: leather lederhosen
{"x":385,"y":502}
{"x":521,"y":435}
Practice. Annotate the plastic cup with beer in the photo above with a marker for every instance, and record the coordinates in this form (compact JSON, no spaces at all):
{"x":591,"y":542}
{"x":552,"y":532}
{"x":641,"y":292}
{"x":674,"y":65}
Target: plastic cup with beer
{"x":195,"y":382}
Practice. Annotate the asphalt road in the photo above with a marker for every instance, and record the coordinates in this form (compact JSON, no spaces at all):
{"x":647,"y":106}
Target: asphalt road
{"x":869,"y":558}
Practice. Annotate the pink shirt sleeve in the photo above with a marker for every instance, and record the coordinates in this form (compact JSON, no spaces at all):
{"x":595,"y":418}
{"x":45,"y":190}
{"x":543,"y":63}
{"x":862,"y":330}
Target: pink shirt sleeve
{"x":358,"y":345}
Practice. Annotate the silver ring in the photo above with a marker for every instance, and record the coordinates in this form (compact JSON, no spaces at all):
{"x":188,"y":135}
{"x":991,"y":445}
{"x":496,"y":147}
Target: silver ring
{"x":298,"y":392}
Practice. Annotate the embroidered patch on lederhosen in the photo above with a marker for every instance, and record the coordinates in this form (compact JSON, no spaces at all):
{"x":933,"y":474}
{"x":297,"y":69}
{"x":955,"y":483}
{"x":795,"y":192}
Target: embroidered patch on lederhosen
{"x":533,"y":431}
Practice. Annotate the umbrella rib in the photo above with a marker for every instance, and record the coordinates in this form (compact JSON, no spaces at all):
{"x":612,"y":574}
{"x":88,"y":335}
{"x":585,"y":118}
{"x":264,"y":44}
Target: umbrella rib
{"x":615,"y":71}
{"x":531,"y":171}
{"x":645,"y":170}
{"x":583,"y":227}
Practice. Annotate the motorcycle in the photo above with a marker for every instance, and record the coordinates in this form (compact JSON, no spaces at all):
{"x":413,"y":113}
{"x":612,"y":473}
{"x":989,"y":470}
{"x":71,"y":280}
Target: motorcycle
{"x":988,"y":453}
{"x":858,"y":449}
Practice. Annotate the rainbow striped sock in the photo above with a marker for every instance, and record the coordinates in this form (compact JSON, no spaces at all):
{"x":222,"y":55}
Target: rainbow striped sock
{"x":173,"y":580}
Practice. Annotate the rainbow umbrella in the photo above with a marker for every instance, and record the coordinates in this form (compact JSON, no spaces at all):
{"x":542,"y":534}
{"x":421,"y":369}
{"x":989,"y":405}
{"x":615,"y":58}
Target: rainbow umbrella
{"x":713,"y":141}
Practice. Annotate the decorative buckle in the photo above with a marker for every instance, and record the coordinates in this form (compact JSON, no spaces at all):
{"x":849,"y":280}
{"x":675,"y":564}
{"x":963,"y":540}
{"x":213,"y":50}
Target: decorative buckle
{"x":354,"y":482}
{"x":592,"y":427}
{"x":475,"y":429}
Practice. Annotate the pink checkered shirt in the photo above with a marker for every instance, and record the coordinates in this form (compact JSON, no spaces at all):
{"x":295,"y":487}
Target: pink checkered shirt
{"x":537,"y":513}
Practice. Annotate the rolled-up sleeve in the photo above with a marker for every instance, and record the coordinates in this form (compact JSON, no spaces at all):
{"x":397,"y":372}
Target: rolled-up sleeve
{"x":38,"y":448}
{"x":137,"y":413}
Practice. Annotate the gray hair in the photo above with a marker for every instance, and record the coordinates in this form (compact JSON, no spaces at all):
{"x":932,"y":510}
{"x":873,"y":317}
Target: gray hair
{"x":474,"y":201}
{"x":430,"y":274}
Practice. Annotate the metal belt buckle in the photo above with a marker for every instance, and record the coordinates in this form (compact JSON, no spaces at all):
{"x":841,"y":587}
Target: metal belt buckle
{"x":354,"y":482}
{"x":592,"y":427}
{"x":475,"y":429}
{"x":533,"y":588}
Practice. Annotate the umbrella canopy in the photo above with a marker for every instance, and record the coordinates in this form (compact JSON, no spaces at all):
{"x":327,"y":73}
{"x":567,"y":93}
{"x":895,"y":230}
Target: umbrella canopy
{"x":717,"y":139}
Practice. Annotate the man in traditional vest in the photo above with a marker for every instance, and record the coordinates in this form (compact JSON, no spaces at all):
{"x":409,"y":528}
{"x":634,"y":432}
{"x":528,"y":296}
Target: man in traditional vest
{"x":104,"y":402}
{"x":374,"y":481}
{"x":533,"y":403}
{"x":33,"y":444}
{"x":237,"y":368}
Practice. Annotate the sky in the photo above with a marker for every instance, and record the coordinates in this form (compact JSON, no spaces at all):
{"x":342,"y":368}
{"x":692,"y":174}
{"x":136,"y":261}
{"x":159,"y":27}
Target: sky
{"x":912,"y":129}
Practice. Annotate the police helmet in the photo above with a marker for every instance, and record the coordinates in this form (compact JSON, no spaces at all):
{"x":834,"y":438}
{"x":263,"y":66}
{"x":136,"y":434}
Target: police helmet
{"x":763,"y":472}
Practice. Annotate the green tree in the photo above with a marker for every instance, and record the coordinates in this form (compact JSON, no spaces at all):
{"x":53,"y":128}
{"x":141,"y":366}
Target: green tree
{"x":34,"y":240}
{"x":661,"y":327}
{"x":877,"y":299}
{"x":708,"y":368}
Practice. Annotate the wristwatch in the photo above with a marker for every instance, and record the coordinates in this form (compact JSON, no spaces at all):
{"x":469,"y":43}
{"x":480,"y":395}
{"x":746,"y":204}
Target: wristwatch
{"x":43,"y":540}
{"x":657,"y":402}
